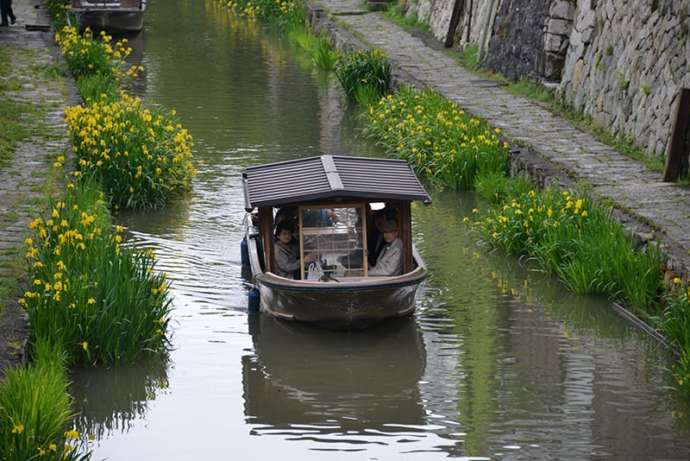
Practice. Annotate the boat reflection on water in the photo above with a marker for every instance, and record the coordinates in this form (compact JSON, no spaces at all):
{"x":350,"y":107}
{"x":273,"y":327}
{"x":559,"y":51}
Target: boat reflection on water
{"x":333,"y":386}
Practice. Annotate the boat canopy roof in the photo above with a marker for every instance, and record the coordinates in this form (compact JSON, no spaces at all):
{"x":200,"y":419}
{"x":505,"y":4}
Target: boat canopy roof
{"x":331,"y":177}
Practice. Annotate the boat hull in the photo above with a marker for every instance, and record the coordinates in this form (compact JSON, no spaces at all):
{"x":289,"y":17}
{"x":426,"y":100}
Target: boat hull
{"x":351,"y":305}
{"x":113,"y":22}
{"x":353,"y":308}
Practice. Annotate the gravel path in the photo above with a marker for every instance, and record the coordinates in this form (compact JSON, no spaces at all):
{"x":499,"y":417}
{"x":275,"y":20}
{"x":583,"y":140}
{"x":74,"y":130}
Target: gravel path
{"x":37,"y":78}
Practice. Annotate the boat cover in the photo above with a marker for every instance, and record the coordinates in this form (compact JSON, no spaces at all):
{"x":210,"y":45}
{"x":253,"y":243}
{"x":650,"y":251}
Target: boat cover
{"x":325,"y":177}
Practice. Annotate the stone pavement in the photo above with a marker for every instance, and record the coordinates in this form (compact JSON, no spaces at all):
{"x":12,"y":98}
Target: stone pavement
{"x":635,"y":189}
{"x":37,"y":78}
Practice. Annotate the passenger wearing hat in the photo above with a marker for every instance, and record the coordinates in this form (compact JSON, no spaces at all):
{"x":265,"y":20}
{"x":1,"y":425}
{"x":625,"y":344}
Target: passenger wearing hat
{"x":389,"y":260}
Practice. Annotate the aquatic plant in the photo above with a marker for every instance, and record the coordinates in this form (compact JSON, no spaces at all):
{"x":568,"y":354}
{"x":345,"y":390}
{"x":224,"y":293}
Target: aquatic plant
{"x":141,"y":156}
{"x":438,"y":138}
{"x":323,"y":54}
{"x":497,"y":187}
{"x":674,"y":323}
{"x":86,"y":55}
{"x":318,"y":46}
{"x":364,"y":73}
{"x":99,"y":300}
{"x":35,"y":409}
{"x":59,"y":11}
{"x":565,"y":233}
{"x":93,"y":87}
{"x":284,"y":13}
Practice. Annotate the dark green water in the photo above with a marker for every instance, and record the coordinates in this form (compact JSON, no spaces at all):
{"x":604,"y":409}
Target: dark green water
{"x":498,"y":363}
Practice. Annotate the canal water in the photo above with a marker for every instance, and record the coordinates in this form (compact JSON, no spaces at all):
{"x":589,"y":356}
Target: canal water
{"x":498,"y":363}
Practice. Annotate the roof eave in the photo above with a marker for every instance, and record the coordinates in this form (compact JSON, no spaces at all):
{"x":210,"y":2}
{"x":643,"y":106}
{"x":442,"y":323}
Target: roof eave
{"x":335,"y":195}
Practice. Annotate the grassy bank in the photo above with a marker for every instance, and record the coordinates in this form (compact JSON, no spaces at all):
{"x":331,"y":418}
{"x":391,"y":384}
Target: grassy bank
{"x":19,"y":120}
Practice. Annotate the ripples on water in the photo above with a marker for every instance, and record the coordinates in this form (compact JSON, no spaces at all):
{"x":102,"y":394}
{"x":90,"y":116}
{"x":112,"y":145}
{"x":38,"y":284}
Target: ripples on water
{"x":498,"y":363}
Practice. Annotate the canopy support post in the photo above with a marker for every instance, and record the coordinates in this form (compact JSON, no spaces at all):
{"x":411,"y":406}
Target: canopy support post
{"x":266,"y":229}
{"x":405,"y":216}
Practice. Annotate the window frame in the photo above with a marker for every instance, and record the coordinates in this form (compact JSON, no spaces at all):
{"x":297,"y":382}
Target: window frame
{"x":364,"y":210}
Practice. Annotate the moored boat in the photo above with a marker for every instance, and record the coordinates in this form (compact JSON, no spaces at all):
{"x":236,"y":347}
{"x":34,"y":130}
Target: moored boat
{"x":337,"y":205}
{"x":112,"y":16}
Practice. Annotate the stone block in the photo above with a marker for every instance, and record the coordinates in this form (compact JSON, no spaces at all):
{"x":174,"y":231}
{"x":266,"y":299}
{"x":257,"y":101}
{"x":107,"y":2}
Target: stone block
{"x":562,"y":9}
{"x":585,"y":23}
{"x":558,"y":26}
{"x":552,"y":43}
{"x":439,"y":21}
{"x":578,"y":73}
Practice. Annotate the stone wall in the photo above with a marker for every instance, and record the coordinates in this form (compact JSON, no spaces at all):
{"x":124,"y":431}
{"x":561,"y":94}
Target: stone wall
{"x":626,"y":62}
{"x":519,"y":38}
{"x":516,"y":48}
{"x":623,"y":62}
{"x":476,"y":24}
{"x":435,"y":13}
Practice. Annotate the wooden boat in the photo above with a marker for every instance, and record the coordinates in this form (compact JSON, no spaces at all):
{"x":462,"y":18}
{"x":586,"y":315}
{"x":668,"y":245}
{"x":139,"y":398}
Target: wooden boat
{"x":112,"y":16}
{"x":337,"y":290}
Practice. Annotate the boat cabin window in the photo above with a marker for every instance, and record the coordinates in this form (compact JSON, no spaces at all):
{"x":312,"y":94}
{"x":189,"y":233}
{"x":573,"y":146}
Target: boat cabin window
{"x":333,"y":238}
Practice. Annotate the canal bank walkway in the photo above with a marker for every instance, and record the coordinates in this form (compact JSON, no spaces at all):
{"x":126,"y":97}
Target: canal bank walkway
{"x":636,"y":190}
{"x":34,"y":90}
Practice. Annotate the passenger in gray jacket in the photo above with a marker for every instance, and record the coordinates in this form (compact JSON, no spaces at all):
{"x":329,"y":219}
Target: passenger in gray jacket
{"x":286,"y":255}
{"x":389,"y":261}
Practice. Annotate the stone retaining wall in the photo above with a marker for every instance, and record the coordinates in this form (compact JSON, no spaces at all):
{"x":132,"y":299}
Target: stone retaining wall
{"x":622,"y":62}
{"x":519,"y":38}
{"x":626,"y":63}
{"x":516,"y":48}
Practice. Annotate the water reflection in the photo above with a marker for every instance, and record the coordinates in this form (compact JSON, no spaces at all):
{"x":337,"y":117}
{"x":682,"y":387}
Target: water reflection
{"x":341,"y":385}
{"x":128,"y":388}
{"x":534,"y":364}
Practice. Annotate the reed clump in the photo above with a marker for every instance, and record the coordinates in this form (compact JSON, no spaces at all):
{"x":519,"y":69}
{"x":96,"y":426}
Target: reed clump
{"x":318,"y":46}
{"x":98,"y":299}
{"x":281,"y":12}
{"x":59,"y":10}
{"x":438,"y":138}
{"x":141,"y":156}
{"x":565,"y":233}
{"x":364,"y":75}
{"x":87,"y":55}
{"x":674,"y":323}
{"x":35,"y":410}
{"x":96,"y":87}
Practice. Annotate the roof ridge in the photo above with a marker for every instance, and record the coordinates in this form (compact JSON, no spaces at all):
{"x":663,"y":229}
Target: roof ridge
{"x":334,"y":180}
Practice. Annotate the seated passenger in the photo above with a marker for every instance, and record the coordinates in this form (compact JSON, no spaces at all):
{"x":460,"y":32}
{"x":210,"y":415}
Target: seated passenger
{"x":286,"y":255}
{"x":375,"y":240}
{"x":319,"y":217}
{"x":389,"y":260}
{"x":286,"y":213}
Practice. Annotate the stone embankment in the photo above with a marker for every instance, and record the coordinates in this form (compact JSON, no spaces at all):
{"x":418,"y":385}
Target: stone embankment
{"x":556,"y":150}
{"x":38,"y":80}
{"x":622,"y":62}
